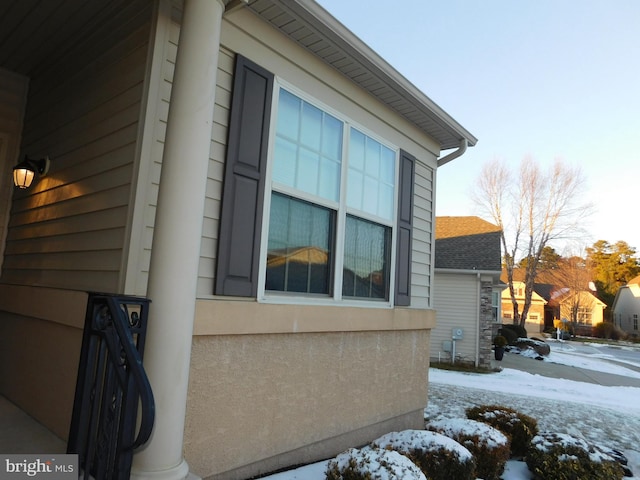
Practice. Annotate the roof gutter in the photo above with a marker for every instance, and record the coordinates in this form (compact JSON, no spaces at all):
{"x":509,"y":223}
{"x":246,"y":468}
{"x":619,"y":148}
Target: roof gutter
{"x":344,"y":51}
{"x":455,"y":154}
{"x":468,"y":271}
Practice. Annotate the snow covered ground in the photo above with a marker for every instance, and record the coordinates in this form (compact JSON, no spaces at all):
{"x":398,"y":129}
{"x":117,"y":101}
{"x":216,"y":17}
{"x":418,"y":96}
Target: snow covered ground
{"x":606,"y":415}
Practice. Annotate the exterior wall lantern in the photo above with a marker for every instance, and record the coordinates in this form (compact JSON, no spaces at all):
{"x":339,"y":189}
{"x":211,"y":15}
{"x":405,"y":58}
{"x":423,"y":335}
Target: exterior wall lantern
{"x":25,"y":171}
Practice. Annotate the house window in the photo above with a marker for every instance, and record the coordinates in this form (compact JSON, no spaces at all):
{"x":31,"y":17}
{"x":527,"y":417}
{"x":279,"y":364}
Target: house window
{"x":495,"y":305}
{"x":300,"y":246}
{"x":332,"y":206}
{"x":635,"y":321}
{"x":366,"y":259}
{"x":584,"y":315}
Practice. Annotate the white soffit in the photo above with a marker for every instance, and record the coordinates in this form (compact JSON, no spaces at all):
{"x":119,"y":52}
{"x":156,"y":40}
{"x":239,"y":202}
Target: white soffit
{"x":308,"y":24}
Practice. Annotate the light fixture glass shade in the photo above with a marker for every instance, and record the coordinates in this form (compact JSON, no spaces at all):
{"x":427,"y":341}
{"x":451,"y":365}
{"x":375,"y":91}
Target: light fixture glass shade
{"x":23,"y":176}
{"x":25,"y":171}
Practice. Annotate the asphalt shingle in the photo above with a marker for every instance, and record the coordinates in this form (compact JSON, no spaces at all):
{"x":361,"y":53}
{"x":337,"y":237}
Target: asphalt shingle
{"x":467,"y":243}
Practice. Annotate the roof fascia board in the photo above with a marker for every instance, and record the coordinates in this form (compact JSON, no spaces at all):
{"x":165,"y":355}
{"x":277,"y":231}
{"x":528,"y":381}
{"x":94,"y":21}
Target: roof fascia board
{"x":467,"y":271}
{"x":328,"y":26}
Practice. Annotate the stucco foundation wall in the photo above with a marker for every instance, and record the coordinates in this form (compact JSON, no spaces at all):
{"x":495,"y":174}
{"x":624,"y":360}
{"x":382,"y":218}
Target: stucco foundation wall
{"x":262,"y":402}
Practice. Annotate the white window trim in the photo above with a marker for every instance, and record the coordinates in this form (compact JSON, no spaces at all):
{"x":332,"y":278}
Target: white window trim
{"x":265,"y":296}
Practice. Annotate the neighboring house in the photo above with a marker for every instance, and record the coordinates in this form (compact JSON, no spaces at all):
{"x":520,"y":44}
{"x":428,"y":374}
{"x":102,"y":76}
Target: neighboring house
{"x":534,"y":323}
{"x":626,"y":307}
{"x":201,"y":154}
{"x":466,"y":289}
{"x":582,"y":309}
{"x":552,"y":301}
{"x":551,"y":313}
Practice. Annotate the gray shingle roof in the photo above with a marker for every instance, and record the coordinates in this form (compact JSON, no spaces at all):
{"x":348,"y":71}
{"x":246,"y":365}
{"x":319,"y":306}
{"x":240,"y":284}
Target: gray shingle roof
{"x":467,"y":243}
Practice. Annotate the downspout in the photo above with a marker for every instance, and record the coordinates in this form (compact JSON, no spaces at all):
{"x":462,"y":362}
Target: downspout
{"x":455,"y":154}
{"x":478,"y":319}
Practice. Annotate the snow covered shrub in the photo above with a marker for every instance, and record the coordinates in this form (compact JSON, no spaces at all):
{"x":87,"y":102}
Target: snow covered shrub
{"x":490,"y":447}
{"x":438,"y":456}
{"x":557,"y":456}
{"x":372,"y":464}
{"x":518,"y":427}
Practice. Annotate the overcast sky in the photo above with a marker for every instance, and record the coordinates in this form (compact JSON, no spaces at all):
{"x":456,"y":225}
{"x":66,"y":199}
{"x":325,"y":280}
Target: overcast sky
{"x":542,"y":78}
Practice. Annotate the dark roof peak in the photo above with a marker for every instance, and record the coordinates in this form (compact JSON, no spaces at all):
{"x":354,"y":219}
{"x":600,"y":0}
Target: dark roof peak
{"x":447,"y":227}
{"x":467,"y":243}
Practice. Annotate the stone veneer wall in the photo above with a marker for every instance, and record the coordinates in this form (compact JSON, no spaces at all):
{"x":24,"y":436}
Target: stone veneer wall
{"x":486,"y":324}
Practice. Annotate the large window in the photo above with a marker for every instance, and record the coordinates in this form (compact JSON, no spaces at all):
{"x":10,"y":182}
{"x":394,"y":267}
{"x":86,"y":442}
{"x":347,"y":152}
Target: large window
{"x":584,"y":315}
{"x":332,"y":206}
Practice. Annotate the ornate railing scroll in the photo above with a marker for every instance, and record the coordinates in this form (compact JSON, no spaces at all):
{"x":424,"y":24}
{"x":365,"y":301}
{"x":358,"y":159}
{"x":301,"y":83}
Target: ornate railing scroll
{"x":112,"y":387}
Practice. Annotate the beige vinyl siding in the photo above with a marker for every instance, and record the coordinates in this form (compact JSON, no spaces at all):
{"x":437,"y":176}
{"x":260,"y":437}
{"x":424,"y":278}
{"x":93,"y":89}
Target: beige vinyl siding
{"x":168,"y":35}
{"x":209,"y":247}
{"x":421,"y":267}
{"x":68,"y":233}
{"x":69,"y":230}
{"x":456,"y":302}
{"x":241,"y":31}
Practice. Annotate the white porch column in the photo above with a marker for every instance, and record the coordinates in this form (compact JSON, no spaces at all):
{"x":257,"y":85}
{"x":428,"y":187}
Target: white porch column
{"x":176,"y":239}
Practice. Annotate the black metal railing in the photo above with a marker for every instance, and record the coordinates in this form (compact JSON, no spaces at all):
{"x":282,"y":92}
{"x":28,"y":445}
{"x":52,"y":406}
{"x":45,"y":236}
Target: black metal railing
{"x":111,"y":386}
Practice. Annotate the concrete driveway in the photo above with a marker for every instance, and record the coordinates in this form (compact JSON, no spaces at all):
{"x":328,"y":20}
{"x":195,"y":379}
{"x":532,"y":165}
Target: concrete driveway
{"x":555,"y":370}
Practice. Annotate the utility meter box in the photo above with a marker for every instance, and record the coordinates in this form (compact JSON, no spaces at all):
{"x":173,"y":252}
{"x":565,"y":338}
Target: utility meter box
{"x":456,"y":334}
{"x":446,"y":346}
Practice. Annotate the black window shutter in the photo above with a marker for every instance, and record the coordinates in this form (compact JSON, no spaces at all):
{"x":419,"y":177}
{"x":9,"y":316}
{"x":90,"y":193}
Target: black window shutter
{"x":244,"y":181}
{"x":405,"y":230}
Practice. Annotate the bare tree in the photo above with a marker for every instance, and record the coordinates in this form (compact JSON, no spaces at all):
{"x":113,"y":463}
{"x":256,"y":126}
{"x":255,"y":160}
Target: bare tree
{"x":574,"y":279}
{"x":532,"y":208}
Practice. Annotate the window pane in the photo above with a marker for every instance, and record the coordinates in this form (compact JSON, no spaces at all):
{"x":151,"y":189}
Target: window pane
{"x":372,"y":158}
{"x":332,"y":138}
{"x":370,"y":197}
{"x":299,"y":253}
{"x":288,"y":115}
{"x":387,"y":165}
{"x":308,"y":153}
{"x":366,"y":259}
{"x":284,"y":170}
{"x":354,"y":190}
{"x":329,"y":184}
{"x":307,"y":176}
{"x":371,"y":177}
{"x":311,"y":126}
{"x":385,"y":201}
{"x":356,"y":150}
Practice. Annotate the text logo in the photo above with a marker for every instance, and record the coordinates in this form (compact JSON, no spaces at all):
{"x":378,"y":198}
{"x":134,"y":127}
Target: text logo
{"x":50,"y":467}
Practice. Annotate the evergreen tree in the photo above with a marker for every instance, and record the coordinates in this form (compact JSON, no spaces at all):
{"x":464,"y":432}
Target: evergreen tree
{"x":613,"y":265}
